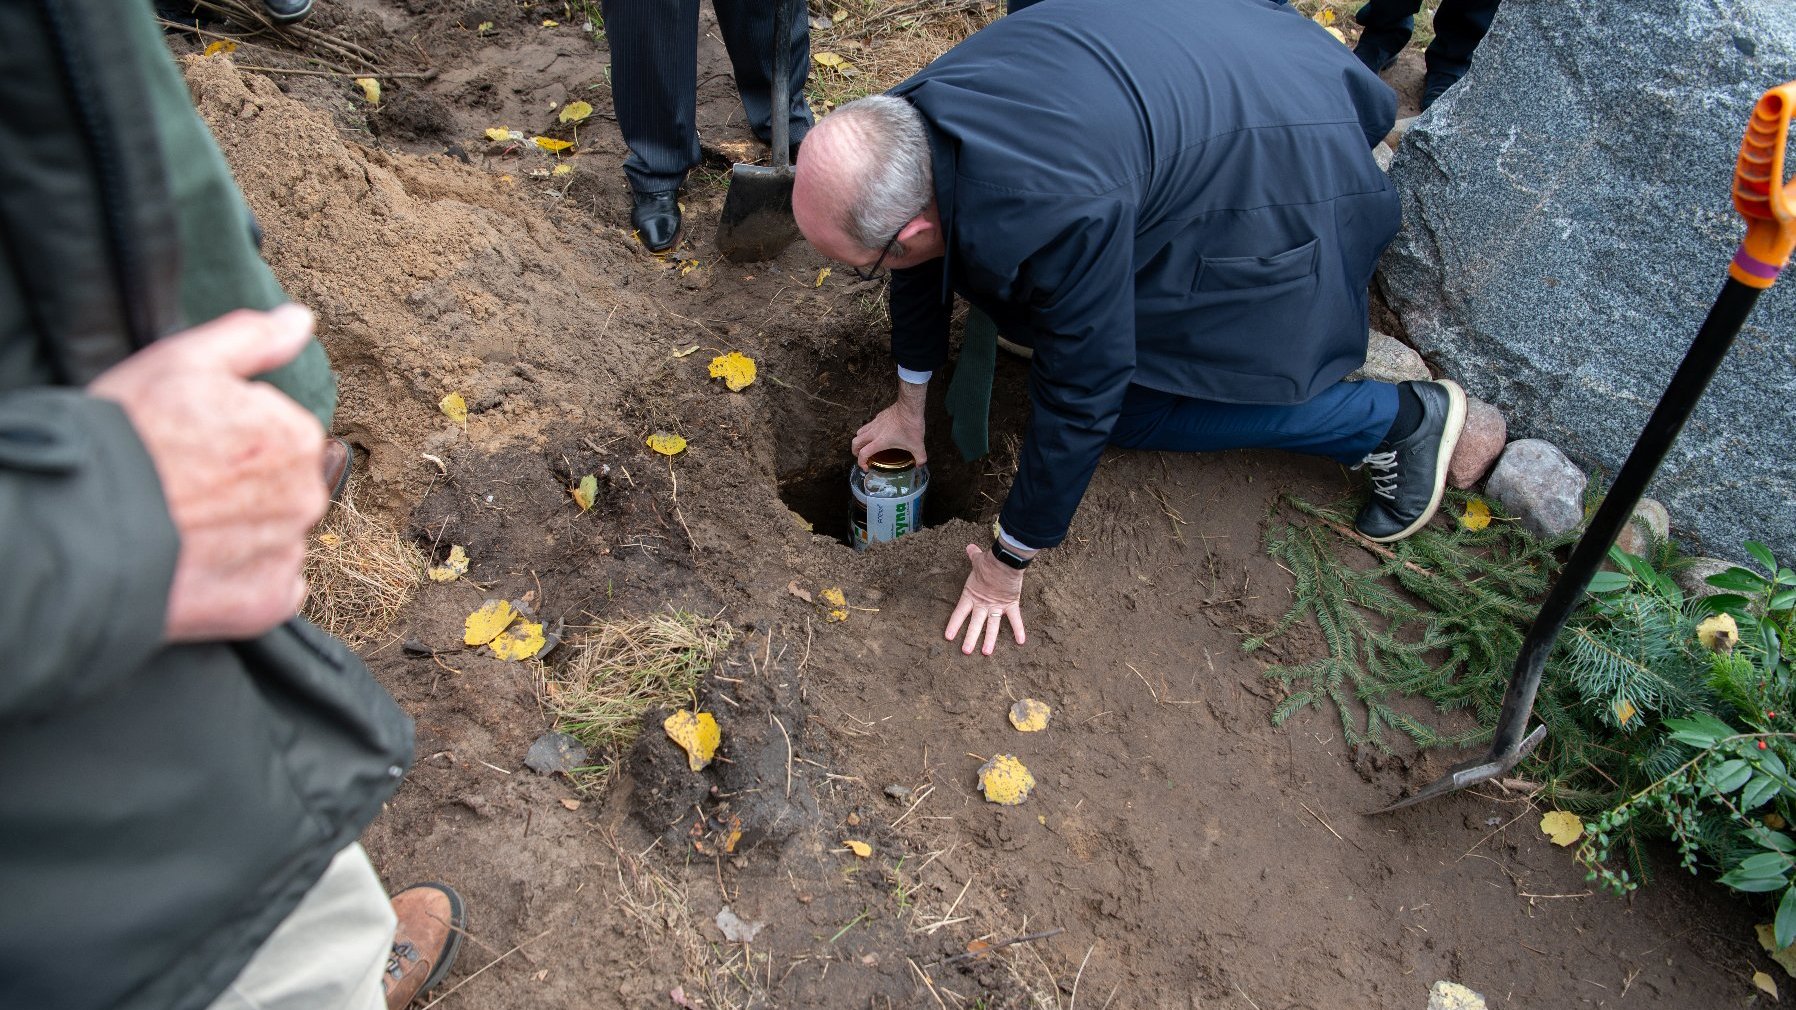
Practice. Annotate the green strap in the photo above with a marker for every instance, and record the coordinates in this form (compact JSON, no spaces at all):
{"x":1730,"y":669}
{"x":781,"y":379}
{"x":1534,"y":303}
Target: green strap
{"x":970,"y":391}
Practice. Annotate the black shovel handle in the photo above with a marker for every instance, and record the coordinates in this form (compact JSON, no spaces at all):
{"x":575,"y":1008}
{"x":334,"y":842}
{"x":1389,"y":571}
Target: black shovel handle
{"x":780,"y":94}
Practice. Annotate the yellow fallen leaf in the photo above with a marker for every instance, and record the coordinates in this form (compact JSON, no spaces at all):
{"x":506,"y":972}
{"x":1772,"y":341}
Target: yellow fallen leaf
{"x":520,"y":641}
{"x":370,"y":89}
{"x":551,"y":144}
{"x":861,"y":849}
{"x":1477,"y":515}
{"x":689,"y":350}
{"x":1625,"y":711}
{"x":549,"y":23}
{"x":822,"y":275}
{"x":1763,"y":983}
{"x":697,"y":734}
{"x":586,"y":492}
{"x":573,"y":112}
{"x":562,"y":169}
{"x":507,"y":179}
{"x":828,"y":59}
{"x":978,"y":947}
{"x":1324,"y":17}
{"x":1005,"y":781}
{"x":454,"y":407}
{"x":736,"y":369}
{"x":1785,"y":956}
{"x":1562,"y":826}
{"x":498,"y":134}
{"x":1718,"y":633}
{"x":221,"y":46}
{"x":835,"y":604}
{"x":1030,"y":715}
{"x":666,"y":443}
{"x":454,"y":567}
{"x":485,"y":624}
{"x":570,"y":803}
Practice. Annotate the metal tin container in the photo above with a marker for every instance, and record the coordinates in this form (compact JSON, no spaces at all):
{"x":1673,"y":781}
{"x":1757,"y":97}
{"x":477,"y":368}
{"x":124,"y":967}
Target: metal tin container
{"x":888,"y":497}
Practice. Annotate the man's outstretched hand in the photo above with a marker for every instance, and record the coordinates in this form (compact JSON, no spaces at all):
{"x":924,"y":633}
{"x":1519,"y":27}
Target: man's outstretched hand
{"x":993,"y":592}
{"x":899,"y":425}
{"x":240,"y":466}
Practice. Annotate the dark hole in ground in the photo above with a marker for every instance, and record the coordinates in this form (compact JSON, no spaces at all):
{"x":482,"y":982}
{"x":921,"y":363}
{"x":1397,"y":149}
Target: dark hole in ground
{"x":814,"y":456}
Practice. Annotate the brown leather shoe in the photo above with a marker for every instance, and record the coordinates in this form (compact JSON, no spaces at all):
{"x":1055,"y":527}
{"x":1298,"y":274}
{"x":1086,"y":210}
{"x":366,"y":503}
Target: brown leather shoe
{"x":431,"y":921}
{"x":337,"y":456}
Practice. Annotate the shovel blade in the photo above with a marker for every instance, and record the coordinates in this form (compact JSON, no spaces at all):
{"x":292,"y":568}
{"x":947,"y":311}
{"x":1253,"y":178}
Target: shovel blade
{"x":757,"y":214}
{"x":1470,"y":773}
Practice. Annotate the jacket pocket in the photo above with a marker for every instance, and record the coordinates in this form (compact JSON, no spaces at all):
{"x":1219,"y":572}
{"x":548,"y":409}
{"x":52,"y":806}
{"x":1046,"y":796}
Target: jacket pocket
{"x":1244,"y":276}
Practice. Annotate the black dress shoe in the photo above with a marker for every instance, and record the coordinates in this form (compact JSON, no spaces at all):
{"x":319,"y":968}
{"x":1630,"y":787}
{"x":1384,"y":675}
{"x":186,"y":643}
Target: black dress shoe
{"x":656,"y":218}
{"x":1409,"y":475}
{"x":287,"y":12}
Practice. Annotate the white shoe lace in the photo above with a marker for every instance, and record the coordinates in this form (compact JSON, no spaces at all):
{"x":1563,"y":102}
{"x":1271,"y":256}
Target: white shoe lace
{"x":1383,"y":473}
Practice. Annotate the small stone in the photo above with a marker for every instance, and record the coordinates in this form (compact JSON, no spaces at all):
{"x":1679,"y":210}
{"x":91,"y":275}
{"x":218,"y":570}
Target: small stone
{"x":1453,"y":996}
{"x":1479,"y":444}
{"x":898,"y":792}
{"x":1655,"y":517}
{"x":1535,"y":482}
{"x":555,"y":752}
{"x":1390,"y":360}
{"x":1693,"y":578}
{"x":854,"y":819}
{"x":1384,"y":154}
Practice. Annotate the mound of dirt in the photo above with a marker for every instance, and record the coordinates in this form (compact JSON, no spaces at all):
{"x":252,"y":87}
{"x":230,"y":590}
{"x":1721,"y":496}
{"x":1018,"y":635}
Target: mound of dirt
{"x":1178,"y":851}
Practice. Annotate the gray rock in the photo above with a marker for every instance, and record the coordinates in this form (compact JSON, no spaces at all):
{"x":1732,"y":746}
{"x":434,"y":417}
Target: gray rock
{"x":1693,"y":578}
{"x":1479,"y":445}
{"x":1567,"y":221}
{"x":1538,"y":485}
{"x":1390,"y":360}
{"x":555,"y":752}
{"x":1384,"y":154}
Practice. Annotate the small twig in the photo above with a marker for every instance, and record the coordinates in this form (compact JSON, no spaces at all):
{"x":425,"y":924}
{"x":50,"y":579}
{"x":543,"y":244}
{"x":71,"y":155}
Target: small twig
{"x":1319,"y":820}
{"x":776,"y":380}
{"x":1358,"y":538}
{"x":1246,"y":997}
{"x":1074,"y":1003}
{"x":788,"y":736}
{"x":484,"y":967}
{"x":387,"y":75}
{"x":1150,"y":687}
{"x":927,"y":982}
{"x":987,"y":949}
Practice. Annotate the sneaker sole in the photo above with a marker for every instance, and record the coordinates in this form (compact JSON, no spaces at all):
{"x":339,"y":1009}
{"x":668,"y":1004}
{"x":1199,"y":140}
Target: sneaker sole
{"x":1449,"y":441}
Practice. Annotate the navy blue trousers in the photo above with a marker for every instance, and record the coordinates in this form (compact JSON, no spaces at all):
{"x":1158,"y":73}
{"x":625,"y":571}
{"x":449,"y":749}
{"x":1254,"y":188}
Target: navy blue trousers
{"x":1344,"y":422}
{"x":1459,"y":25}
{"x":654,"y":78}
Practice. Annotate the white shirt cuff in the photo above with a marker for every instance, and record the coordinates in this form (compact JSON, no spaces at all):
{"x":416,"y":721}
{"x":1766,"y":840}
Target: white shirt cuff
{"x":915,"y":378}
{"x":1013,"y":543}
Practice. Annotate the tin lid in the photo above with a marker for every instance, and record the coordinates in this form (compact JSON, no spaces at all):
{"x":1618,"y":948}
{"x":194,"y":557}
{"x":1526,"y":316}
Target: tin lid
{"x":891,"y":460}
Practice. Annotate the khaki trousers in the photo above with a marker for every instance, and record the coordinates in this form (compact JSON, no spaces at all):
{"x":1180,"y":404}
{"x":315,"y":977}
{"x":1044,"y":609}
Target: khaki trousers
{"x":330,"y":953}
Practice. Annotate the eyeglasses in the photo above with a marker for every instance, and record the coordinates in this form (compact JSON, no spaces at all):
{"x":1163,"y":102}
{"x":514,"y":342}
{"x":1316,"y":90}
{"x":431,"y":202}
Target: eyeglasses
{"x":872,"y":272}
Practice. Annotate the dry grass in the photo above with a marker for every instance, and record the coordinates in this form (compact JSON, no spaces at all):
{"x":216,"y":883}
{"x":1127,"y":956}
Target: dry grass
{"x":885,"y":41}
{"x":361,"y":572}
{"x":618,"y":670}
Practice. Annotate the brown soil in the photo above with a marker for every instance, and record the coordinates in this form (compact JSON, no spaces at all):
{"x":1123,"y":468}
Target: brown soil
{"x":1191,"y":854}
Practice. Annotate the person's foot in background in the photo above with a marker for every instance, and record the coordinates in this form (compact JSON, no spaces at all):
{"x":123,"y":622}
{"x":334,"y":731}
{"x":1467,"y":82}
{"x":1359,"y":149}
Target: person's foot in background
{"x":287,"y":12}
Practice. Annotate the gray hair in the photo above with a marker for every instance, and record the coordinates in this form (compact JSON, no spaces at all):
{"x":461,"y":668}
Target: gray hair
{"x":894,"y":178}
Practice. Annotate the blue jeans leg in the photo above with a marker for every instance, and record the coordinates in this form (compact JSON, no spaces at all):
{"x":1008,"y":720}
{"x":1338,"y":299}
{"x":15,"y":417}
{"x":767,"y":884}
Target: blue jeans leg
{"x":1343,"y":422}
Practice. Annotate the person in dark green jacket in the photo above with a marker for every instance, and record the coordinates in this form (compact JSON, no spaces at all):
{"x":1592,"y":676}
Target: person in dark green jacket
{"x":185,"y":766}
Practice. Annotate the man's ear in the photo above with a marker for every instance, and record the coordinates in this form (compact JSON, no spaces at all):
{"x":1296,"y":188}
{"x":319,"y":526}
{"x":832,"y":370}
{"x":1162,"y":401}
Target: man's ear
{"x":916,"y":228}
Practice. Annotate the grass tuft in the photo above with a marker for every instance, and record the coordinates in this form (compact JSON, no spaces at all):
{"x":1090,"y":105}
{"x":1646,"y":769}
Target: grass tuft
{"x":360,"y":571}
{"x":618,"y":670}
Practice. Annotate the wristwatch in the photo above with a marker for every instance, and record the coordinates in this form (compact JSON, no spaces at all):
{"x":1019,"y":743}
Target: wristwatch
{"x":1009,"y":557}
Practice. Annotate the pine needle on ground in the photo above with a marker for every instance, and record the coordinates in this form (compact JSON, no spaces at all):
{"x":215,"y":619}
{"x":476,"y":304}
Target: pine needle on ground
{"x":361,"y":572}
{"x":620,"y":669}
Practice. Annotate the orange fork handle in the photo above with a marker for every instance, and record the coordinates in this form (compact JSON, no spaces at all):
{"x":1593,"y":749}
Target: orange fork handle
{"x":1763,"y":198}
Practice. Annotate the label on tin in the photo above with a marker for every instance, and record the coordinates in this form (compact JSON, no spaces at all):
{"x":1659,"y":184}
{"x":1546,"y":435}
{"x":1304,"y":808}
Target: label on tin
{"x":883,"y":515}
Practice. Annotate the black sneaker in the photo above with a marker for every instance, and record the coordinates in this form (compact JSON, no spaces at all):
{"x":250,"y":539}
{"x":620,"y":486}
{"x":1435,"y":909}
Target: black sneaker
{"x":1408,"y":477}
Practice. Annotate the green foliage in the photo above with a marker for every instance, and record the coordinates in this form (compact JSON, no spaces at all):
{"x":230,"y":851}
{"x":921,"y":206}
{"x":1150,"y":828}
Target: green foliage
{"x":1440,"y":616}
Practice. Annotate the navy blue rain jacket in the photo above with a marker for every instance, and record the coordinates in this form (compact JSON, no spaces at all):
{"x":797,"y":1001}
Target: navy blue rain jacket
{"x":1175,"y":193}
